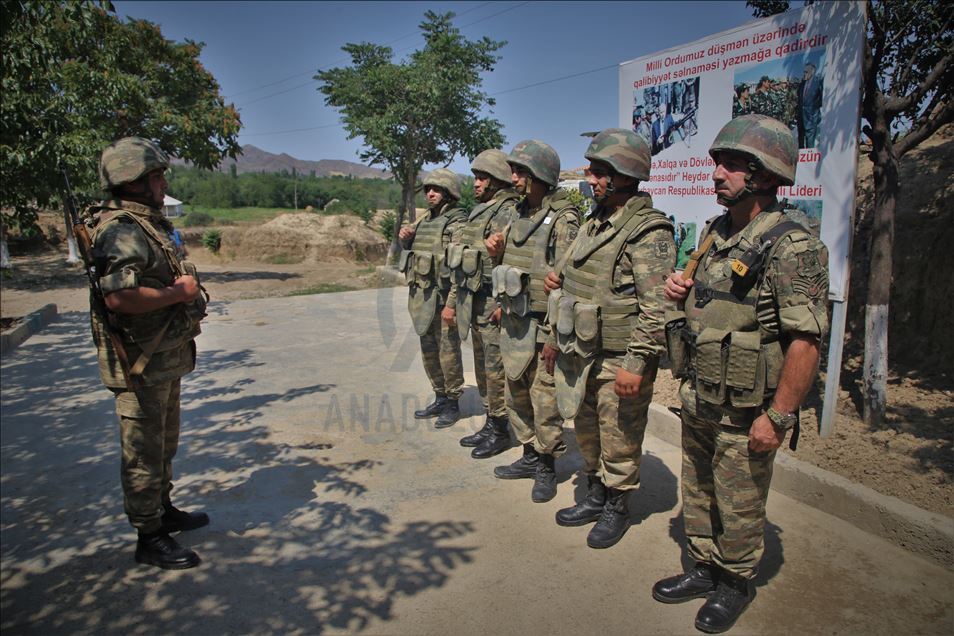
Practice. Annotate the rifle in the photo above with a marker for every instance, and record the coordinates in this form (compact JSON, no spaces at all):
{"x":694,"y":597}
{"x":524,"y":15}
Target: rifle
{"x":97,"y":301}
{"x":690,"y":114}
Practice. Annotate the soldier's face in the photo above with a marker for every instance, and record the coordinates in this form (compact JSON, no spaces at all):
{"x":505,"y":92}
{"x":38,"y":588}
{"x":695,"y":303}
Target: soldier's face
{"x":809,"y":72}
{"x":598,"y":176}
{"x":481,"y":183}
{"x":519,"y":177}
{"x":157,"y":184}
{"x":434,"y":195}
{"x":729,"y":175}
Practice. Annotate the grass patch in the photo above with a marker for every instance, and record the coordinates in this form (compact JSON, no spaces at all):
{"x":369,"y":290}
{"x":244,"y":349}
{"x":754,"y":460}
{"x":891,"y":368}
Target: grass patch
{"x":232,"y":216}
{"x":321,"y":288}
{"x":283,"y":259}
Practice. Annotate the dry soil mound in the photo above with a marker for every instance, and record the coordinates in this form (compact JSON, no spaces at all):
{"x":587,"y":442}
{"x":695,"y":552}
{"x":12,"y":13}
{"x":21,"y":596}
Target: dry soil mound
{"x":307,"y":238}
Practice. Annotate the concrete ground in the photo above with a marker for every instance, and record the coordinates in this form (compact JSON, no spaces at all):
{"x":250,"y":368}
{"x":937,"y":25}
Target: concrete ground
{"x":335,"y":511}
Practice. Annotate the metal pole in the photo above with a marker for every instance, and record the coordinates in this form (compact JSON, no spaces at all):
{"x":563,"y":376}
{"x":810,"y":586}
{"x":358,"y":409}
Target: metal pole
{"x":836,"y":345}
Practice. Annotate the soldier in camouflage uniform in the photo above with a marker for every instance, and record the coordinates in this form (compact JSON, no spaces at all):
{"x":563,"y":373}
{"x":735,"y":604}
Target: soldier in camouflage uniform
{"x":535,"y":242}
{"x":155,"y":303}
{"x":607,"y":307}
{"x":424,"y":263}
{"x":747,"y":347}
{"x":471,"y":304}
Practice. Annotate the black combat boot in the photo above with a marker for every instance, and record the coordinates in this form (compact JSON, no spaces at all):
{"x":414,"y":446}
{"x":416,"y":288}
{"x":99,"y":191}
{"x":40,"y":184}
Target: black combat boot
{"x":544,"y":482}
{"x":474,"y":440}
{"x":613,"y":522}
{"x":159,"y":549}
{"x":175,"y":520}
{"x":497,"y":442}
{"x":449,"y":415}
{"x":433,"y":409}
{"x":732,"y":595}
{"x":588,"y":510}
{"x":523,"y":468}
{"x":700,"y":581}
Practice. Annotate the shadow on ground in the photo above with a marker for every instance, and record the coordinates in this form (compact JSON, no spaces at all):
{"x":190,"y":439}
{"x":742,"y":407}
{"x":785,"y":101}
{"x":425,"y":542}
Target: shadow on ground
{"x":279,"y":556}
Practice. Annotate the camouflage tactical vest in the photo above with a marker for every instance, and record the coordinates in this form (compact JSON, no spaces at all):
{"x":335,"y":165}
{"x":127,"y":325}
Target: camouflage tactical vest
{"x":588,"y":277}
{"x":473,"y":265}
{"x":528,"y":244}
{"x":424,"y":263}
{"x":731,"y":355}
{"x":156,"y":332}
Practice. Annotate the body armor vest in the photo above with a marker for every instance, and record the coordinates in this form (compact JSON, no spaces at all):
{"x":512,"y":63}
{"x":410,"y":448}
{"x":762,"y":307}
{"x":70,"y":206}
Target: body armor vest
{"x":732,"y":357}
{"x":528,"y":243}
{"x":472,"y":239}
{"x":425,"y":267}
{"x":588,"y":276}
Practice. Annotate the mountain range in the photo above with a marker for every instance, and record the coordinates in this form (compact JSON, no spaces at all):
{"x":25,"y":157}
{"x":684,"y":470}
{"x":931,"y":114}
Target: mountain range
{"x":254,"y":159}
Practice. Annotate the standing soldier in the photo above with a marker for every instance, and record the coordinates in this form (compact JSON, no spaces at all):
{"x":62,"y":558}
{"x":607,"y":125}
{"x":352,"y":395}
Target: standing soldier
{"x":471,"y":303}
{"x":747,"y":348}
{"x":547,"y":224}
{"x":423,"y":262}
{"x":155,"y":304}
{"x":607,"y":321}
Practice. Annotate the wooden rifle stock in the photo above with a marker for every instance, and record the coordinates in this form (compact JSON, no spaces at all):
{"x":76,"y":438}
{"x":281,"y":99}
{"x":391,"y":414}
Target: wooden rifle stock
{"x":97,"y":301}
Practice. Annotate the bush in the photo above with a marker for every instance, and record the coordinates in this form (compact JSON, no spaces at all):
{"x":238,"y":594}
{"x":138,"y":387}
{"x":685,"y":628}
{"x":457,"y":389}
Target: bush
{"x":387,"y":225}
{"x":193,"y":219}
{"x":212,"y":240}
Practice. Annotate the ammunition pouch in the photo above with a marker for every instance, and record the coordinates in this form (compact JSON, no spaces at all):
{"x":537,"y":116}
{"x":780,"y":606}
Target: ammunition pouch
{"x":678,"y":343}
{"x":511,"y":286}
{"x":735,"y":367}
{"x":195,"y":310}
{"x":577,"y":325}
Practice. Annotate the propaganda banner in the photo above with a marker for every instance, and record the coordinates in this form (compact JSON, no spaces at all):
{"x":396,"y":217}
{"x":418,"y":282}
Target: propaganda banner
{"x":801,"y":67}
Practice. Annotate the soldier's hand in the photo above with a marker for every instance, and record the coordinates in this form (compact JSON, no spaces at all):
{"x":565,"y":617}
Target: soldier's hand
{"x":495,"y":244}
{"x":549,"y":356}
{"x":763,"y":436}
{"x":187,"y":288}
{"x":495,"y":317}
{"x":449,"y":316}
{"x":552,"y":282}
{"x":677,"y":287}
{"x":407,"y":233}
{"x":627,"y":384}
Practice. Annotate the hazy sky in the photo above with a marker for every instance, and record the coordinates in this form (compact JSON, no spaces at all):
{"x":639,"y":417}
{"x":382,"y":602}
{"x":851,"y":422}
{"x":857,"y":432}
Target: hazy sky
{"x":264,"y":55}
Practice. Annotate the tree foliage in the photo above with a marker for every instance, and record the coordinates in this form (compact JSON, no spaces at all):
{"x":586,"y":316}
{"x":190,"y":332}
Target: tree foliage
{"x":907,"y":78}
{"x":76,"y":77}
{"x":206,"y":188}
{"x":424,"y":110}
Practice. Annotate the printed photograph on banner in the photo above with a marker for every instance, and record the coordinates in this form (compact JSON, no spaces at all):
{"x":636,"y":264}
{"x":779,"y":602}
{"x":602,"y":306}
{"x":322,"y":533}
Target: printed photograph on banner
{"x":789,"y":89}
{"x":665,"y":115}
{"x":810,"y":213}
{"x":685,"y":236}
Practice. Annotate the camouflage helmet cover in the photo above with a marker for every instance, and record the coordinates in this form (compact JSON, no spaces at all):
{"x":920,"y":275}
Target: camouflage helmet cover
{"x":626,"y":152}
{"x":539,"y":158}
{"x":767,"y":141}
{"x":446,"y":179}
{"x":494,"y":163}
{"x":126,"y":160}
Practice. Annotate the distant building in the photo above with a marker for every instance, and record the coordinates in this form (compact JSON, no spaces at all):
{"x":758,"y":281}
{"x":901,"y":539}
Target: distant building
{"x":171,"y":207}
{"x":580,"y":185}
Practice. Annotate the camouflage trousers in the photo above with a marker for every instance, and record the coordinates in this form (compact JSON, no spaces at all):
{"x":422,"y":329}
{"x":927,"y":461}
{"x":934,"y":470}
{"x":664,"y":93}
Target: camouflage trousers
{"x":440,"y":353}
{"x":149,"y":434}
{"x":532,"y":406}
{"x":610,"y":429}
{"x":724,"y":485}
{"x":488,"y":365}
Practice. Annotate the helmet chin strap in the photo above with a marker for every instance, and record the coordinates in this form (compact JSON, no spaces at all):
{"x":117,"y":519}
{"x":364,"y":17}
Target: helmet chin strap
{"x":612,"y":189}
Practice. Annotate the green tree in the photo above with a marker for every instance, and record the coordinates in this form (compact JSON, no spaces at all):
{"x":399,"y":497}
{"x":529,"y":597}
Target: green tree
{"x":426,"y":109}
{"x":76,"y":77}
{"x":907,"y":78}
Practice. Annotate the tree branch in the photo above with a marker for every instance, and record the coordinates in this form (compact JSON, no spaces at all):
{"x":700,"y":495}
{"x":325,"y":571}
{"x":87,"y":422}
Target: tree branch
{"x":897,"y":105}
{"x":927,"y":126}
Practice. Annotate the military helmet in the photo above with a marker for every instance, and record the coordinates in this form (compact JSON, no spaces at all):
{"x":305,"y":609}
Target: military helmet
{"x":766,"y":141}
{"x":494,"y":163}
{"x":126,"y":160}
{"x":539,"y":158}
{"x":625,"y":151}
{"x":446,"y":179}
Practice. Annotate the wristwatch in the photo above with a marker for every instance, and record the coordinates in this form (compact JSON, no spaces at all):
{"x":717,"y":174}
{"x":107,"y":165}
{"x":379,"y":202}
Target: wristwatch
{"x":782,"y":422}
